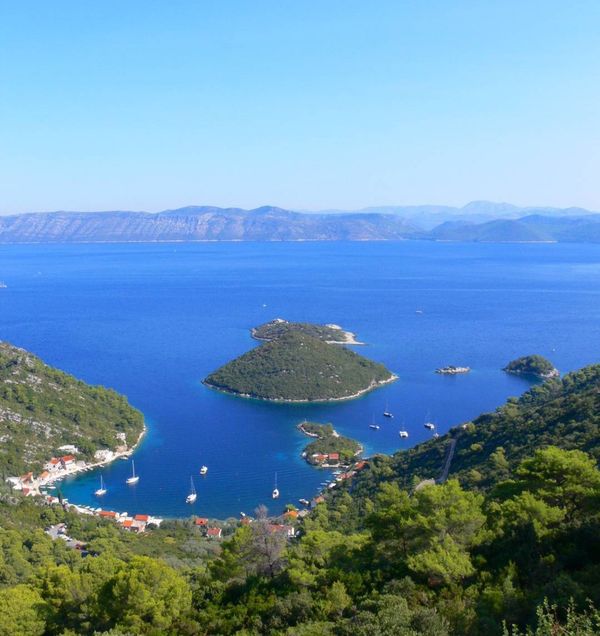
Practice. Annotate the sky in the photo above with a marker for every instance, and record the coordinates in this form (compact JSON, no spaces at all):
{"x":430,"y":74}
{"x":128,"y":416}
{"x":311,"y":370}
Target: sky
{"x":149,"y":105}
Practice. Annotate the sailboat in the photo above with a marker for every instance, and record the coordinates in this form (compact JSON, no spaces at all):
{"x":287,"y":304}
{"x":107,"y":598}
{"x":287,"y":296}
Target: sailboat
{"x":203,"y":470}
{"x":134,"y":478}
{"x":403,"y":432}
{"x":428,"y":423}
{"x":387,"y":412}
{"x":374,"y":426}
{"x":275,"y":493}
{"x":192,"y":496}
{"x":102,"y":490}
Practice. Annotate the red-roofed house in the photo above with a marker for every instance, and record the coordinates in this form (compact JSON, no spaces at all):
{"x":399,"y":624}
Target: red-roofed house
{"x":319,"y":457}
{"x":44,"y":474}
{"x":279,"y":528}
{"x":200,"y":521}
{"x":214,"y":533}
{"x":53,"y":464}
{"x":144,"y":518}
{"x":67,"y":460}
{"x":360,"y":465}
{"x":127,"y":523}
{"x":291,"y":514}
{"x":334,"y":457}
{"x":108,"y":514}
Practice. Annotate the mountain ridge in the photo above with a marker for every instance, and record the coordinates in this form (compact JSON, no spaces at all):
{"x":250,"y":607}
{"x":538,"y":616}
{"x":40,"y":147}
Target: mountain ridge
{"x":478,"y":221}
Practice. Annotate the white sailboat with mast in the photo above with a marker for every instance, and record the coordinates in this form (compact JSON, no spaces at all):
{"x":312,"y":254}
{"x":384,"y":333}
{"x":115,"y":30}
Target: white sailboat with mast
{"x":192,"y":496}
{"x":275,"y":493}
{"x":134,"y":478}
{"x":102,"y":490}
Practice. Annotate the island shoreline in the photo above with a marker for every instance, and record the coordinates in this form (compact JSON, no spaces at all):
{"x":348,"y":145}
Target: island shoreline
{"x":353,"y":396}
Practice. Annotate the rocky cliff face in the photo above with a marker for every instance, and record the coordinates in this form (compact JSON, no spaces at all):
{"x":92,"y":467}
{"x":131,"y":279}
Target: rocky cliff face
{"x":201,"y":224}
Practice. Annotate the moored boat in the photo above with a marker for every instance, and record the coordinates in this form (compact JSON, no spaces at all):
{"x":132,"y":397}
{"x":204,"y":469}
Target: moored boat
{"x":134,"y":478}
{"x":192,"y":496}
{"x":102,"y":490}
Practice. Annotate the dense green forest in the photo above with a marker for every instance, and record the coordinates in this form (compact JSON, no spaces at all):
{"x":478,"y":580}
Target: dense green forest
{"x":510,"y":542}
{"x":535,"y":365}
{"x":278,"y":327}
{"x":299,"y":367}
{"x":42,"y":408}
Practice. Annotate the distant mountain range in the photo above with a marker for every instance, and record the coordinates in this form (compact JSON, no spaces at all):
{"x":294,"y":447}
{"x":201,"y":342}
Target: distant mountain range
{"x":478,"y":221}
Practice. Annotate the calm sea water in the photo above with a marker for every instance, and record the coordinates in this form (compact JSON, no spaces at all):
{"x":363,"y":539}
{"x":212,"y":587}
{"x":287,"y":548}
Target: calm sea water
{"x":152,"y":320}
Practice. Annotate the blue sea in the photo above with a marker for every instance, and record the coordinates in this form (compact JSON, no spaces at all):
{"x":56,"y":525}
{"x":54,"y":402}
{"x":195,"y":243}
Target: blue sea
{"x":152,"y":320}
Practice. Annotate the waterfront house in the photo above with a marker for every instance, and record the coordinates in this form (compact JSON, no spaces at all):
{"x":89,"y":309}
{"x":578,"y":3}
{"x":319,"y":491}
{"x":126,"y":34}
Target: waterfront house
{"x":108,"y":514}
{"x":202,"y":522}
{"x":53,"y":465}
{"x":214,"y":533}
{"x":334,"y":457}
{"x":67,"y":460}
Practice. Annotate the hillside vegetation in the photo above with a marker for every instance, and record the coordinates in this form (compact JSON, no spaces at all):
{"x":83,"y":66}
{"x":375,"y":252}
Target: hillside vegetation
{"x":278,"y":327}
{"x":519,"y":546}
{"x":42,"y":408}
{"x":299,"y":367}
{"x":564,"y":413}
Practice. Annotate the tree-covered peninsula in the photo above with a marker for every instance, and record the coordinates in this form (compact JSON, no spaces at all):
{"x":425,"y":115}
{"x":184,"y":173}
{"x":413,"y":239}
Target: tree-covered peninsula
{"x":297,"y":367}
{"x":42,"y":408}
{"x":534,"y":365}
{"x":328,"y":447}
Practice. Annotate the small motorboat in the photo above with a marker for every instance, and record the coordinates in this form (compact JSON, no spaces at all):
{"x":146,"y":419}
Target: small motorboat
{"x":203,"y":470}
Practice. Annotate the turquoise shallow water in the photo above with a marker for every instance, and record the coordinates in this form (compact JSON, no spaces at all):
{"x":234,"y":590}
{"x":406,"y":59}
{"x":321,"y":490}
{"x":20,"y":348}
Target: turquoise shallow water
{"x":152,"y":320}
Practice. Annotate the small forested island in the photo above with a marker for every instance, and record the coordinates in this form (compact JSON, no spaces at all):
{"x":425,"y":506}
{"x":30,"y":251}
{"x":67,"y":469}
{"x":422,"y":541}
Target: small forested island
{"x":332,"y":334}
{"x":533,"y":365}
{"x":42,"y":409}
{"x":329,"y":448}
{"x":298,"y":367}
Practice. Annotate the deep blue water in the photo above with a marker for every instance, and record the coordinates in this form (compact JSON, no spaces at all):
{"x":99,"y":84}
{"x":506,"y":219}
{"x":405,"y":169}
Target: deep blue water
{"x":152,"y":320}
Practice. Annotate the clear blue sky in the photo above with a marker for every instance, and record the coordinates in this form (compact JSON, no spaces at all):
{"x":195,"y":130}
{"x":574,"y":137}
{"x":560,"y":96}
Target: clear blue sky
{"x":322,"y":104}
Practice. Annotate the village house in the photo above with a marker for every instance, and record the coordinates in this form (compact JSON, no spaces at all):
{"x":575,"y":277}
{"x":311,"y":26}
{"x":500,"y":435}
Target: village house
{"x":214,"y":533}
{"x":201,"y":522}
{"x":53,"y":465}
{"x":279,"y":528}
{"x":67,"y":460}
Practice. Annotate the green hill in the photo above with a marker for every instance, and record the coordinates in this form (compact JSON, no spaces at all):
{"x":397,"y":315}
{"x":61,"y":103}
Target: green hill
{"x":42,"y":408}
{"x":297,"y":367}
